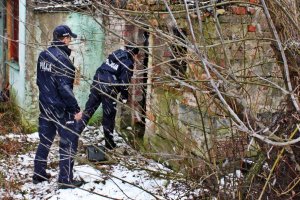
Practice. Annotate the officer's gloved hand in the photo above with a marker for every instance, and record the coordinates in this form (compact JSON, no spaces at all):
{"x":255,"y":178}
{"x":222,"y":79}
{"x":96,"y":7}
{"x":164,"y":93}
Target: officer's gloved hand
{"x":82,"y":123}
{"x":124,"y":101}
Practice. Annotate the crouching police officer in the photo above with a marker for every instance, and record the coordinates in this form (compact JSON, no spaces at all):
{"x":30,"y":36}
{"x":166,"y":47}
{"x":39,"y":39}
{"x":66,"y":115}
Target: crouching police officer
{"x":111,"y":78}
{"x":58,"y":106}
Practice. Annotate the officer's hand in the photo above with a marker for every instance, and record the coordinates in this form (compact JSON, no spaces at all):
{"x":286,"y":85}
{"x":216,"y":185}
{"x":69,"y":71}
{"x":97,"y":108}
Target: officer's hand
{"x":78,"y":116}
{"x":124,"y":101}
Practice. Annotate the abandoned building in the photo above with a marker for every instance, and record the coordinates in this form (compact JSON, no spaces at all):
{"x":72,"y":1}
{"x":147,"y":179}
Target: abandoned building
{"x":162,"y":108}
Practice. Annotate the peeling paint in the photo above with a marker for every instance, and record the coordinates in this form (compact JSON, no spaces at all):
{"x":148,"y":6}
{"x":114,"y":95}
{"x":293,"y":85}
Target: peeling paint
{"x":87,"y":54}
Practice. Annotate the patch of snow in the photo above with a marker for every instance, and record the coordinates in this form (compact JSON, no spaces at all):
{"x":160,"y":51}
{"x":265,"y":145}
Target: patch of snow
{"x":128,"y":178}
{"x":34,"y":137}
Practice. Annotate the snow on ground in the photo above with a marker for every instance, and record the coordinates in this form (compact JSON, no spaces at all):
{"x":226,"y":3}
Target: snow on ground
{"x":127,"y":177}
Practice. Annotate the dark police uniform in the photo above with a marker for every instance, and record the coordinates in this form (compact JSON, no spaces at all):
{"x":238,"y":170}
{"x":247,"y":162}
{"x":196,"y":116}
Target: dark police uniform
{"x":55,"y":77}
{"x":110,"y":79}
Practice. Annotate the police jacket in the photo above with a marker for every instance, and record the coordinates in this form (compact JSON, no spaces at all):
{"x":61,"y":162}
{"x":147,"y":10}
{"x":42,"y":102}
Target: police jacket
{"x":118,"y":70}
{"x":55,"y":78}
{"x":116,"y":73}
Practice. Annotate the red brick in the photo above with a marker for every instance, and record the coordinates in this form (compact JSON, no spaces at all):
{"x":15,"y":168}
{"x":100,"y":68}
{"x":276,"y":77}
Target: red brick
{"x":151,"y":116}
{"x":239,"y":10}
{"x":127,"y":33}
{"x":167,"y":54}
{"x":251,"y":10}
{"x":222,"y":63}
{"x":251,"y":28}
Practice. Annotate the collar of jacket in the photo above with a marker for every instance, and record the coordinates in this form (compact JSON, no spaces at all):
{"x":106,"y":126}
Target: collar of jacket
{"x":62,"y":46}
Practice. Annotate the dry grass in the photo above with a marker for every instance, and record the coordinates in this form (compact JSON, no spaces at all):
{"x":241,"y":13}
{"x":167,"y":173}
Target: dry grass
{"x":10,"y":147}
{"x":10,"y":120}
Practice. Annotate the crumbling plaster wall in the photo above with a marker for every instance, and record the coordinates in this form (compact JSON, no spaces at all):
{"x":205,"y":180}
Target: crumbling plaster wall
{"x":181,"y":121}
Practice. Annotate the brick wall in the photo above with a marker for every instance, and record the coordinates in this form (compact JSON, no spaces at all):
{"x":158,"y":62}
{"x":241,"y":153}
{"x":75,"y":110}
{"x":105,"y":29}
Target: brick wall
{"x":247,"y":52}
{"x":118,"y":34}
{"x":246,"y":35}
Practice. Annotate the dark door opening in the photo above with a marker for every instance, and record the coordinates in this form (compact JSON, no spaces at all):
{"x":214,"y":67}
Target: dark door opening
{"x":139,"y":107}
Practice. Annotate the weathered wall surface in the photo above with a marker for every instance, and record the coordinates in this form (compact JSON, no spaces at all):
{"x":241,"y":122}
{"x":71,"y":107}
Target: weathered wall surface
{"x":15,"y":71}
{"x":173,"y":113}
{"x":246,"y":51}
{"x":87,"y":52}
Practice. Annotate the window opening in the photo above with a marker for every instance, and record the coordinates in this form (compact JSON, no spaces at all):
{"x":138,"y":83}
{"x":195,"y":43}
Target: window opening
{"x":178,"y":63}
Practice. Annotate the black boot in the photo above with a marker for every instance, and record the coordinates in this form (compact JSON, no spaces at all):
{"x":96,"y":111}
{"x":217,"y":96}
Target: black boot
{"x":38,"y":178}
{"x":110,"y":144}
{"x":72,"y":184}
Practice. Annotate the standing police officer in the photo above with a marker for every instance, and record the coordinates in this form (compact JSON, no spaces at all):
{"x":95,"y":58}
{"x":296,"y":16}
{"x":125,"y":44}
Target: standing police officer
{"x":58,"y":106}
{"x":111,"y":78}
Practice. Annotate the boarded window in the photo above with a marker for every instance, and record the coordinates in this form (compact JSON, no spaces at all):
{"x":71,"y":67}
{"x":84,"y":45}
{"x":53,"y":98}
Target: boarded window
{"x":179,"y":51}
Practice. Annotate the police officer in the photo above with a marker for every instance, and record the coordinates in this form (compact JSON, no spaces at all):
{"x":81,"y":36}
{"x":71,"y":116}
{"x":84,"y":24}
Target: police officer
{"x":111,"y":78}
{"x":58,"y":106}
